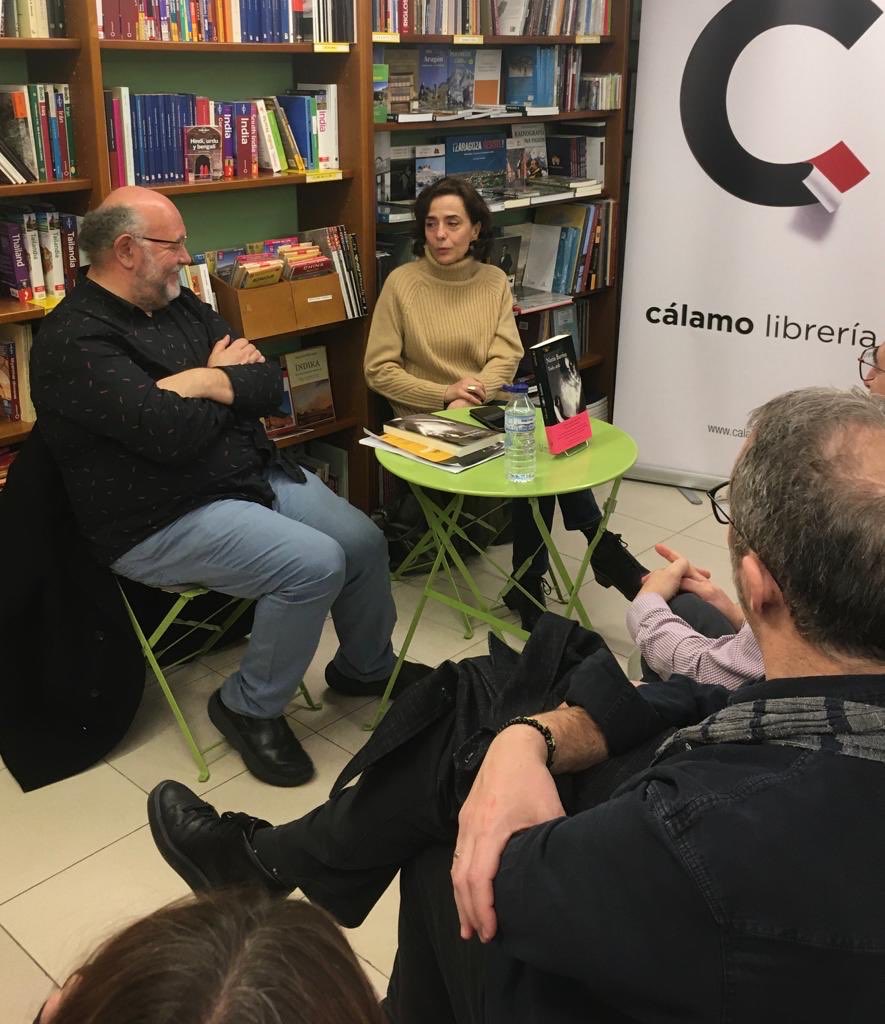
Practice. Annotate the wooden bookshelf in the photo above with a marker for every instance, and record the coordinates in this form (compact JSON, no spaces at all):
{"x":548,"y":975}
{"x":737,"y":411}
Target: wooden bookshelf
{"x":12,"y":312}
{"x":265,"y":179}
{"x":14,"y":432}
{"x":15,"y":43}
{"x":398,"y":39}
{"x":336,"y":426}
{"x":479,"y":123}
{"x":33,"y":188}
{"x":207,"y":49}
{"x":600,"y":55}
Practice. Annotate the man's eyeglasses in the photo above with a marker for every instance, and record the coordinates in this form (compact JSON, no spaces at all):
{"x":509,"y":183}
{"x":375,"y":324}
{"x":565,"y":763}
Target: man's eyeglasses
{"x":170,"y":243}
{"x":721,"y":504}
{"x":868,"y":363}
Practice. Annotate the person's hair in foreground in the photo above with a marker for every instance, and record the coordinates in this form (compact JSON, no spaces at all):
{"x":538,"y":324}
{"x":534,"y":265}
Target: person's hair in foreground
{"x":474,"y":204}
{"x":224,"y":958}
{"x":808,"y":494}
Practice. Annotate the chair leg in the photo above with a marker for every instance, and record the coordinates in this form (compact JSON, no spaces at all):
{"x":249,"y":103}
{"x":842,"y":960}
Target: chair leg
{"x":196,"y":753}
{"x":311,"y":704}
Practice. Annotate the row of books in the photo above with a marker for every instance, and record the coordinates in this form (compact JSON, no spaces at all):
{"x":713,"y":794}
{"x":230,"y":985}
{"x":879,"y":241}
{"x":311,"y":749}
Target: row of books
{"x":227,"y":21}
{"x":493,"y":162}
{"x":330,"y":249}
{"x":440,"y":83}
{"x":36,"y":19}
{"x":36,"y":133}
{"x":567,"y":249}
{"x":164,"y":138}
{"x":39,"y":252}
{"x":492,"y":17}
{"x":15,"y":387}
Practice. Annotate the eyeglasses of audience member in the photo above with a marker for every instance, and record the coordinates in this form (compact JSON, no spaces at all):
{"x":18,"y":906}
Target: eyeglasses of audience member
{"x":870,"y":366}
{"x":221,"y":958}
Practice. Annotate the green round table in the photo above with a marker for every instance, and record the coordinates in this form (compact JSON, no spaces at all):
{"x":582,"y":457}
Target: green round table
{"x":608,"y":455}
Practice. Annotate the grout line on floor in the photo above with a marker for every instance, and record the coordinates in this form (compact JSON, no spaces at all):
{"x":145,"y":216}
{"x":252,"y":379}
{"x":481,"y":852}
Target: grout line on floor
{"x":32,"y":958}
{"x":74,"y":863}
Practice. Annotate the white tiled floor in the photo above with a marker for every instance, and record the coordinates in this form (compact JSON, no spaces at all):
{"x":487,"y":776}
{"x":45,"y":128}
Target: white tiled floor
{"x":77,"y":860}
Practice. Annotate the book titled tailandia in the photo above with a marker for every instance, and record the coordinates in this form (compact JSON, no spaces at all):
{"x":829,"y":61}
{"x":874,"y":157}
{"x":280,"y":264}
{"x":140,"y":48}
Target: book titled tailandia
{"x":444,"y":434}
{"x":566,"y":421}
{"x":202,"y":153}
{"x":310,"y":386}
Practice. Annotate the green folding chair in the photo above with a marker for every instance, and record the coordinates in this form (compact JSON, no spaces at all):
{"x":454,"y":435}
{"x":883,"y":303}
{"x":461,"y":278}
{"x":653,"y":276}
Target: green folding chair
{"x":216,"y":627}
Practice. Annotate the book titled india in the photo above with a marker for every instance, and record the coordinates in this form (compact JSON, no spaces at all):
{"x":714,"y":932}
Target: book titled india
{"x":310,"y":386}
{"x":202,"y":152}
{"x":563,"y":408}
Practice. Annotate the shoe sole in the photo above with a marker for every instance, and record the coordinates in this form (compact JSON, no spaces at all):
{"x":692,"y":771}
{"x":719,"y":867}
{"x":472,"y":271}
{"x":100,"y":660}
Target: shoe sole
{"x":229,"y":731}
{"x":180,"y":864}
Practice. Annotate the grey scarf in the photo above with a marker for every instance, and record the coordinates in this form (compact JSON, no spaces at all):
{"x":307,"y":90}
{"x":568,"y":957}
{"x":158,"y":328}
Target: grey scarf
{"x":813,"y":723}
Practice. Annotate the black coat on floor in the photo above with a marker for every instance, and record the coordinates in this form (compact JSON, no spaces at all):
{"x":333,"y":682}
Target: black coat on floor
{"x":72,"y":670}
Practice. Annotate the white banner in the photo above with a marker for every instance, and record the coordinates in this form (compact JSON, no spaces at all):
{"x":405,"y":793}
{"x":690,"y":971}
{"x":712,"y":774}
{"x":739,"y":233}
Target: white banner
{"x":756,"y":234}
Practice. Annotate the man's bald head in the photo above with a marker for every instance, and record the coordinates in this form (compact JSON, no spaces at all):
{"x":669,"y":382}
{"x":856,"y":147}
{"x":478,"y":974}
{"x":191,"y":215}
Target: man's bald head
{"x":130,"y":210}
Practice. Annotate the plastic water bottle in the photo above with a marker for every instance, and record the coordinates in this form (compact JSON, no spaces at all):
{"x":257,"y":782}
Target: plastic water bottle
{"x":519,"y":435}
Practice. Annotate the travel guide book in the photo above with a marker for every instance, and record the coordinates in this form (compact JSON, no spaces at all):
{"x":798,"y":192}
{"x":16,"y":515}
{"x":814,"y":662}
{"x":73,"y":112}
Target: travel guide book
{"x":442,"y":433}
{"x":566,"y":421}
{"x":310,"y":386}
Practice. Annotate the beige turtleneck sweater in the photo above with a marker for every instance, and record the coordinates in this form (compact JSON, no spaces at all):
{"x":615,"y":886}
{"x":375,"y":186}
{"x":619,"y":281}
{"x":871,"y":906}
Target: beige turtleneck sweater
{"x":434,"y":325}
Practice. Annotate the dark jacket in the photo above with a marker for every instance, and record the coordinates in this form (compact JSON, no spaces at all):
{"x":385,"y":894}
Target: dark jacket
{"x":727,"y":883}
{"x":73,"y":672}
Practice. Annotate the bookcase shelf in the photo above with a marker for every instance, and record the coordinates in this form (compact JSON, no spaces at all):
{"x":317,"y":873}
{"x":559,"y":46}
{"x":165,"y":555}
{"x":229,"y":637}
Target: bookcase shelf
{"x":484,"y":123}
{"x":589,"y":360}
{"x":12,"y":312}
{"x":15,"y":43}
{"x":323,"y":430}
{"x":14,"y":432}
{"x":265,"y":179}
{"x":390,"y":38}
{"x":33,"y":188}
{"x":159,"y":46}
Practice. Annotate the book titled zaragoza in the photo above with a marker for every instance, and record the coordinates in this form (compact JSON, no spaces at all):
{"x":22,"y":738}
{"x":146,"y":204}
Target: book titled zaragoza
{"x":310,"y":386}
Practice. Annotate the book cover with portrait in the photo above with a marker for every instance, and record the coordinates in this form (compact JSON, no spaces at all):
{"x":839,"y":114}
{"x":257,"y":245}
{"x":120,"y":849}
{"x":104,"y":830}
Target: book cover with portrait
{"x":563,"y":407}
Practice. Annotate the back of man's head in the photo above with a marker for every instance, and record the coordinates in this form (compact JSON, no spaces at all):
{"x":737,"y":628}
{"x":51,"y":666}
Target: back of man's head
{"x":808,"y":497}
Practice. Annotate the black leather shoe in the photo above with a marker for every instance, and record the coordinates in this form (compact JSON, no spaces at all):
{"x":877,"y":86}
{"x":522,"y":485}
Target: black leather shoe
{"x":614,"y":566}
{"x":208,"y":850}
{"x":267,"y":745}
{"x":410,"y":673}
{"x":528,"y":611}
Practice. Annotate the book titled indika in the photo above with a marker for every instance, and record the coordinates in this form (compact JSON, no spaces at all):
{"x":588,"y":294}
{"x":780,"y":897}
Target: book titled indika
{"x":310,"y":386}
{"x":442,"y":433}
{"x":202,"y":153}
{"x":566,"y":421}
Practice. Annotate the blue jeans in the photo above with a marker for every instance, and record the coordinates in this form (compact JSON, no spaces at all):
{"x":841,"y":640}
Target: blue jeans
{"x":579,"y":512}
{"x":311,"y":553}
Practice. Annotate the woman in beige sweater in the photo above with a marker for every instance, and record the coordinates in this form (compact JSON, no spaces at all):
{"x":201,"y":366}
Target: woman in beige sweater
{"x":443,"y":335}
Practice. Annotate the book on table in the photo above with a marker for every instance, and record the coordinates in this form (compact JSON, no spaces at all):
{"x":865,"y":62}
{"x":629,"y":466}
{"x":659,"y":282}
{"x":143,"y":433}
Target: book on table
{"x":423,"y":451}
{"x":566,"y":421}
{"x":441,"y":433}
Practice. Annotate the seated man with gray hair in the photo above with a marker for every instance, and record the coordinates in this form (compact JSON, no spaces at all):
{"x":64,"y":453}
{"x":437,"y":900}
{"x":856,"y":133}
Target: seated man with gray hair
{"x":151,"y":411}
{"x":678,"y":852}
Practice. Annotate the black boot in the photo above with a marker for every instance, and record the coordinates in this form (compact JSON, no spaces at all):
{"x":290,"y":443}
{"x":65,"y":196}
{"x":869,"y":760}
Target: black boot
{"x":614,"y":566}
{"x":207,"y":849}
{"x":528,"y":611}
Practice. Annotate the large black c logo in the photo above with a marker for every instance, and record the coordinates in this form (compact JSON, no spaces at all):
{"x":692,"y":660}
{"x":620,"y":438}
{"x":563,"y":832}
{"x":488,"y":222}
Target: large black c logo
{"x":705,"y":84}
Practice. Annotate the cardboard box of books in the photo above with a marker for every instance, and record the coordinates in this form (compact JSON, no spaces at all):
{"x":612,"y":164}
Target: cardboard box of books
{"x":281,"y":308}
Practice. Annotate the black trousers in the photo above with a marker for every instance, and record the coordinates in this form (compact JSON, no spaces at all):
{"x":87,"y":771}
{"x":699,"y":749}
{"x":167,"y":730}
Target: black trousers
{"x":401,"y":815}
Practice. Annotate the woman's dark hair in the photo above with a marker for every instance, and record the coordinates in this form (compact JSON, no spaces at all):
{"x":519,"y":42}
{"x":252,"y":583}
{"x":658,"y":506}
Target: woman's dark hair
{"x":474,"y":204}
{"x":224,"y":958}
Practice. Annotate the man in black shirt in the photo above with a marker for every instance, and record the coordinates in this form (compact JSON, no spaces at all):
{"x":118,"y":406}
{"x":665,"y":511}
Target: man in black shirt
{"x":152,"y":413}
{"x":736,"y":876}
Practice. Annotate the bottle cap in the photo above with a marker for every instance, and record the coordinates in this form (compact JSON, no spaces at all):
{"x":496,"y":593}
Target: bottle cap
{"x":517,"y":389}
